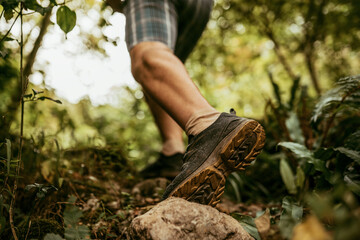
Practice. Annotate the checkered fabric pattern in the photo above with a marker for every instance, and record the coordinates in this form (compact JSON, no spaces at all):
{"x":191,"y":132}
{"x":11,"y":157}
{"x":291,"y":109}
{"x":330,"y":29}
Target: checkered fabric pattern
{"x":176,"y":23}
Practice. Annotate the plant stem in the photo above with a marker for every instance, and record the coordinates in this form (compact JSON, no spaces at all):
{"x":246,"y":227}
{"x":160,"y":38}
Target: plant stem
{"x":22,"y":85}
{"x":7,"y":33}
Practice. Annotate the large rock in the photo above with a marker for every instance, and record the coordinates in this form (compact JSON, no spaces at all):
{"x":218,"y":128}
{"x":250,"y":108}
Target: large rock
{"x":176,"y":218}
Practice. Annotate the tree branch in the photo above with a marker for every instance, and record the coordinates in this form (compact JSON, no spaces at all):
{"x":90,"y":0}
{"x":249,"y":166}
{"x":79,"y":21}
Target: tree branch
{"x":280,"y":55}
{"x":31,"y":57}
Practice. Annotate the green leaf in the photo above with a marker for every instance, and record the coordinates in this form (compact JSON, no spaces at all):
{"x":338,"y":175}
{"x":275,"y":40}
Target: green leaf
{"x":235,"y":188}
{"x":293,"y":125}
{"x":35,"y":6}
{"x":300,"y":177}
{"x":248,"y":223}
{"x":52,"y":236}
{"x":8,"y":39}
{"x":354,"y":155}
{"x":78,"y":232}
{"x":353,"y":185}
{"x":40,"y":194}
{"x":72,"y":199}
{"x":8,"y":14}
{"x":48,"y":98}
{"x":8,"y":152}
{"x":31,"y":186}
{"x":287,"y":176}
{"x":65,"y":18}
{"x":343,"y":94}
{"x":290,"y":217}
{"x":326,"y":103}
{"x":100,"y":216}
{"x":300,"y":150}
{"x":112,"y":217}
{"x":60,"y":181}
{"x":28,"y":95}
{"x":72,"y":215}
{"x":353,"y":141}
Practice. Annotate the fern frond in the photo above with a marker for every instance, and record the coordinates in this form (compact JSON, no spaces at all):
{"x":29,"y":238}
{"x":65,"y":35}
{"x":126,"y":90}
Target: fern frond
{"x":353,"y":141}
{"x":346,"y":95}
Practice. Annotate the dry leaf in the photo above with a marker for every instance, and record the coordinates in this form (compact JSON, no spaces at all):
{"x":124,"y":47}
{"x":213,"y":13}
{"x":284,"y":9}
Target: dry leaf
{"x":263,"y":224}
{"x":311,"y":229}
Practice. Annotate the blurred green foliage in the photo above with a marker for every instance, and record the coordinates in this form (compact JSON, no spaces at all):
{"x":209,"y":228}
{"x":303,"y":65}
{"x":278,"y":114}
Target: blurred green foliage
{"x":276,"y":61}
{"x":246,"y":40}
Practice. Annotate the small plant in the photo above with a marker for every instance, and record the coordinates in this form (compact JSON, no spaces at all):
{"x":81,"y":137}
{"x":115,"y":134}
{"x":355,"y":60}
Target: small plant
{"x":248,"y":223}
{"x":73,"y":230}
{"x":7,"y":176}
{"x":40,"y":189}
{"x":34,"y":96}
{"x":330,"y":166}
{"x":66,"y":19}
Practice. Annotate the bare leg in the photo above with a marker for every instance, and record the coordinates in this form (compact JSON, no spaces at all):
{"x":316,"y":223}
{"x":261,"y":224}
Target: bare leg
{"x":166,"y":81}
{"x":170,"y":131}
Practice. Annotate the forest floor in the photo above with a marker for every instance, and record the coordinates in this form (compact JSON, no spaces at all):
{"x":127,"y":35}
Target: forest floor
{"x":109,"y":194}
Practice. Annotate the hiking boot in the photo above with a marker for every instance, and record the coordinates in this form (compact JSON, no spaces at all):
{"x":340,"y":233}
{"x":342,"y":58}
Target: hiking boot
{"x":230,"y":144}
{"x":165,"y":166}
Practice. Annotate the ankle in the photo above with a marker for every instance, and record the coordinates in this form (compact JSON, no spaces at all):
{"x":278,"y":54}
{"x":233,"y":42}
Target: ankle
{"x":201,"y":120}
{"x":172,"y":146}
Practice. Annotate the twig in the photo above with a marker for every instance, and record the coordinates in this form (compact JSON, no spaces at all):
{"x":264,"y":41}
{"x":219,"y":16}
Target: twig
{"x":280,"y":55}
{"x":27,"y":233}
{"x":75,"y":192}
{"x":21,"y":126}
{"x":123,"y":231}
{"x":7,"y":33}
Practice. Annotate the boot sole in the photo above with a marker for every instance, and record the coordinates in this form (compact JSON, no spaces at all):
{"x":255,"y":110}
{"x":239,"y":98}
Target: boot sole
{"x":235,"y":152}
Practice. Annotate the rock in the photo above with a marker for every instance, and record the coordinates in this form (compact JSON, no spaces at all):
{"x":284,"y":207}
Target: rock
{"x":176,"y":218}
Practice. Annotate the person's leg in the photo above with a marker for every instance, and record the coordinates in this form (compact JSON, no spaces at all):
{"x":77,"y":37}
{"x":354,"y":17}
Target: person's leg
{"x":182,"y":39}
{"x":218,"y":145}
{"x":152,"y":34}
{"x":171,"y":133}
{"x":164,"y":78}
{"x":169,"y":161}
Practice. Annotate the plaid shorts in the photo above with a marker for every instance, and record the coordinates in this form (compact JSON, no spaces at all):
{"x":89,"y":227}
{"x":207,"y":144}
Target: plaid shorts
{"x":176,"y":23}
